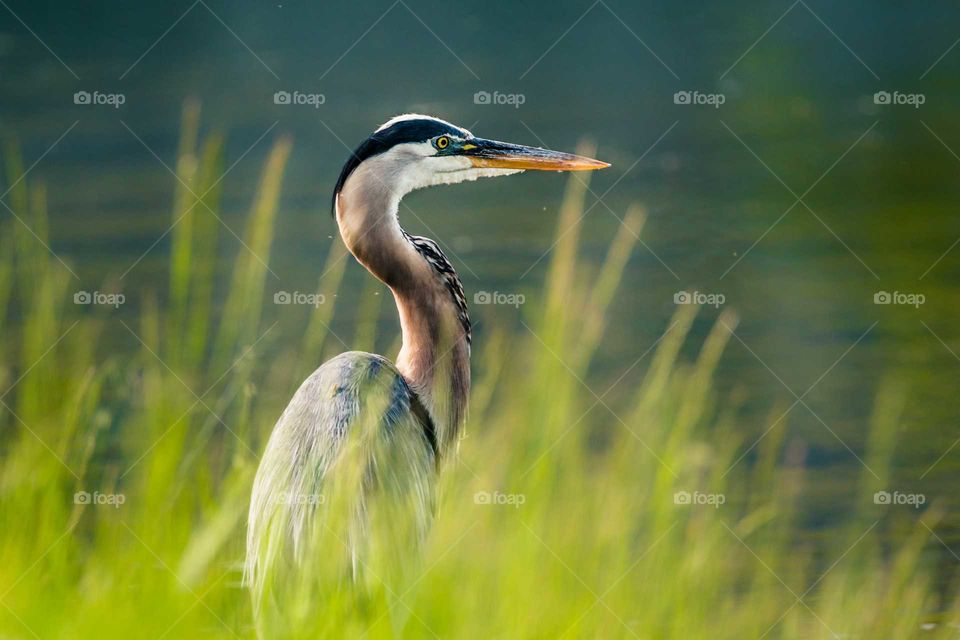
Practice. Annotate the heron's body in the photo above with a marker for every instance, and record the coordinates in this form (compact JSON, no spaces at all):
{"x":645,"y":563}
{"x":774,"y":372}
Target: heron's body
{"x":345,"y":488}
{"x":356,"y":414}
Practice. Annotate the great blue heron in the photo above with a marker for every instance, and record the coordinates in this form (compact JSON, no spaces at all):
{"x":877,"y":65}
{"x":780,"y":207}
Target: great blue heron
{"x":348,"y":475}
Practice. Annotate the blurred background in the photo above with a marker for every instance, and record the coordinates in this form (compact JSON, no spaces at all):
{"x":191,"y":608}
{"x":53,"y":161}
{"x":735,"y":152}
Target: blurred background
{"x":798,"y":163}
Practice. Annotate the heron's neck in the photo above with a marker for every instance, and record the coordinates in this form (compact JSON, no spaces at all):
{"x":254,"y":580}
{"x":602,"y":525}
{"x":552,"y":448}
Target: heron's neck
{"x":435,"y":354}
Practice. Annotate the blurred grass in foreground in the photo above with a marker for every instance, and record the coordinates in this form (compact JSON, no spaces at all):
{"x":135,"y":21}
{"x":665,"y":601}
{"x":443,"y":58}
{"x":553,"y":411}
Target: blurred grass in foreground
{"x":558,"y":520}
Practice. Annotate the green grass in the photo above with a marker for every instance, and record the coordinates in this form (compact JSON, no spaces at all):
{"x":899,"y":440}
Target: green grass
{"x":590,"y":542}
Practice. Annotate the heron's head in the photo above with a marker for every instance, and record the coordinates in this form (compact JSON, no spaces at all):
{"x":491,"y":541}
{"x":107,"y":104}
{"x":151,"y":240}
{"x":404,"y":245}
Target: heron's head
{"x":414,"y":151}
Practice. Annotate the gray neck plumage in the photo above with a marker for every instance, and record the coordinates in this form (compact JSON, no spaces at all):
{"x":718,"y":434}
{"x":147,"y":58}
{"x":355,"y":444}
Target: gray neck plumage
{"x":435,"y":354}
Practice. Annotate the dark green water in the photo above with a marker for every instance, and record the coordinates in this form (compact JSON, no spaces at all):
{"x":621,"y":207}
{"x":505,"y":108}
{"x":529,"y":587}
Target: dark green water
{"x":878,"y":183}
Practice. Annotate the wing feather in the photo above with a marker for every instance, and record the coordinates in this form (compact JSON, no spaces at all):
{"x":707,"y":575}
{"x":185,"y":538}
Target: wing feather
{"x":345,"y":487}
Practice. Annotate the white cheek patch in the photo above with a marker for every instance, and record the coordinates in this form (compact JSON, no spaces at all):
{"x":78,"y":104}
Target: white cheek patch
{"x":411,"y":166}
{"x":439,"y":170}
{"x":470,"y":174}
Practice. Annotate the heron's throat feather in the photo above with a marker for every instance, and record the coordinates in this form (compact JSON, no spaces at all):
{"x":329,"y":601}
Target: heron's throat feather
{"x":430,"y":251}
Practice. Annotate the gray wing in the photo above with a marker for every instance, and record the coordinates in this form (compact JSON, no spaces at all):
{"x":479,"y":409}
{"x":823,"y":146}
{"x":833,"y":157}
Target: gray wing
{"x":345,"y":487}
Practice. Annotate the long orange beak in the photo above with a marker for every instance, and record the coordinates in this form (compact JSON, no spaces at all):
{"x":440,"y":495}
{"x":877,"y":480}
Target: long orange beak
{"x":503,"y":155}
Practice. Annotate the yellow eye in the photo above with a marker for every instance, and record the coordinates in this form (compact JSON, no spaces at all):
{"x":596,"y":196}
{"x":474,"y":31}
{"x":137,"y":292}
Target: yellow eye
{"x":442,"y":142}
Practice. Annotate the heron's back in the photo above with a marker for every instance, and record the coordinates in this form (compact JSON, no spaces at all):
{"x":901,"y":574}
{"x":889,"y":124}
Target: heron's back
{"x":345,"y":484}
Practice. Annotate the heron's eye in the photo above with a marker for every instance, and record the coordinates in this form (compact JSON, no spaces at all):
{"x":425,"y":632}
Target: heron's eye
{"x":442,"y":142}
